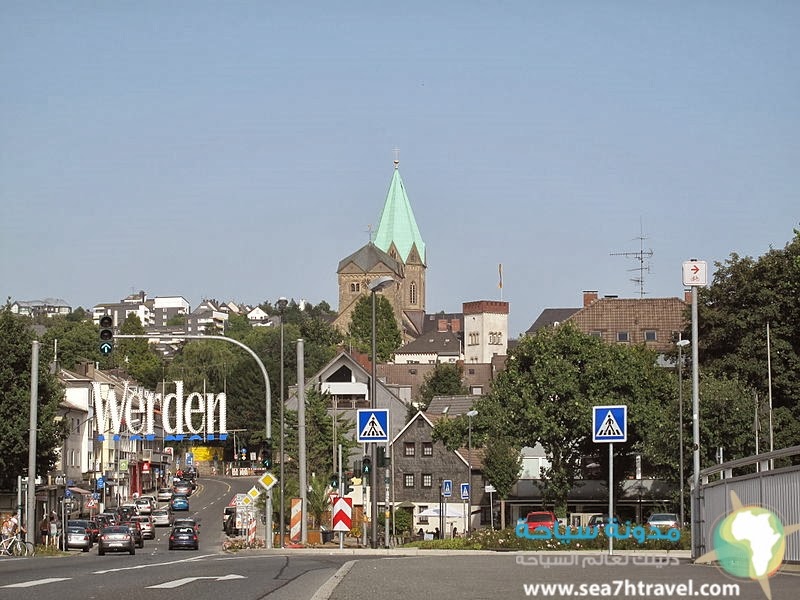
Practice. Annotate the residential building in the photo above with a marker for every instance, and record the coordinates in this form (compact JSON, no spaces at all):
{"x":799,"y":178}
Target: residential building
{"x":49,"y":307}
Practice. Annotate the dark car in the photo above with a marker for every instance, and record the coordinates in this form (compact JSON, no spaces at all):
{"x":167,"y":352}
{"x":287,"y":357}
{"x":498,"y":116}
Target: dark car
{"x":186,"y":522}
{"x":90,"y":526}
{"x":136,"y":531}
{"x":78,"y":537}
{"x":183,"y":537}
{"x":601,"y":521}
{"x":117,"y":538}
{"x":182,"y":488}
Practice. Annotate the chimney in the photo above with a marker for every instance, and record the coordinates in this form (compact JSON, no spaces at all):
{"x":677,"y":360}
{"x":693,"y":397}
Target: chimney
{"x":589,"y":296}
{"x":687,"y":296}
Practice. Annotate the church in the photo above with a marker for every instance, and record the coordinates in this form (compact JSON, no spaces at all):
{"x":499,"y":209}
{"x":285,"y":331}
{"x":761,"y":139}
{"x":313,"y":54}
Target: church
{"x":397,"y":251}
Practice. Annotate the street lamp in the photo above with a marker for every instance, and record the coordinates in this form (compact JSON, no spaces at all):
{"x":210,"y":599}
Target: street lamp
{"x":281,"y":304}
{"x":470,"y":414}
{"x":681,"y":345}
{"x":374,"y":286}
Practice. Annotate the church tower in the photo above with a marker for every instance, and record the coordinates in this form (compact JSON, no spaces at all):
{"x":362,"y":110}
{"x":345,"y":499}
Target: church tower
{"x":397,"y":251}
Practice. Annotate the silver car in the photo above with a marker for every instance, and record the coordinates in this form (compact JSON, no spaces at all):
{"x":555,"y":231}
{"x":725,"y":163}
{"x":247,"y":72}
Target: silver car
{"x":146,"y":525}
{"x":160,"y":517}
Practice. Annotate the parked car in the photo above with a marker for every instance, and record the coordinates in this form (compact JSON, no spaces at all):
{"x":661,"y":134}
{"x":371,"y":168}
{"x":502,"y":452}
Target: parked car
{"x":164,"y":494}
{"x":183,"y":537}
{"x":78,"y":537}
{"x":136,"y":532}
{"x":601,"y":521}
{"x":160,"y":517}
{"x":179,"y":502}
{"x":89,"y":526}
{"x":117,"y":538}
{"x":664,"y":520}
{"x":541,"y":518}
{"x":146,"y":524}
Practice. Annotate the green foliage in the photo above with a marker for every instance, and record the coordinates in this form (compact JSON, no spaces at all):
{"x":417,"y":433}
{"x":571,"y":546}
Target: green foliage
{"x":137,"y":356}
{"x":403,"y":522}
{"x":502,"y":462}
{"x":319,"y":502}
{"x":545,"y":395}
{"x":445,"y":380}
{"x":16,"y":343}
{"x":734,"y":310}
{"x":77,"y":342}
{"x":387,"y":333}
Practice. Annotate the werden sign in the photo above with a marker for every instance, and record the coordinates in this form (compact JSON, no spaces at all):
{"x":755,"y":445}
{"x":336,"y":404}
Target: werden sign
{"x":136,"y":412}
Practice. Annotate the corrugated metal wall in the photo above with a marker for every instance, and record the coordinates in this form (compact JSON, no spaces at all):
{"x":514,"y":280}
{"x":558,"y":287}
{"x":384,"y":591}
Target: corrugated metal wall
{"x":778,"y":491}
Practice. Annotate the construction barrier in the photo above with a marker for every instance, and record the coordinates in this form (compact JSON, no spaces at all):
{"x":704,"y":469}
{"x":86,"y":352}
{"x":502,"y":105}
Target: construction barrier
{"x":296,"y":523}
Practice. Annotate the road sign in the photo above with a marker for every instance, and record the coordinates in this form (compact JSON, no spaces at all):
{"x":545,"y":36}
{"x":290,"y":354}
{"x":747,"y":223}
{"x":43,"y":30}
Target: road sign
{"x":610,"y":423}
{"x":101,"y":483}
{"x":267,"y":480}
{"x":254,"y":493}
{"x":373,"y":425}
{"x":695,"y":272}
{"x":342,"y":514}
{"x":189,"y":459}
{"x":68,"y":493}
{"x":465,"y":491}
{"x":447,"y":488}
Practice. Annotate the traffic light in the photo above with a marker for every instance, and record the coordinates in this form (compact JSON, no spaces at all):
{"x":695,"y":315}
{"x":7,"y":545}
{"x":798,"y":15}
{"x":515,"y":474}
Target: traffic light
{"x":335,"y":481}
{"x":366,"y":465}
{"x":356,"y":468}
{"x":266,"y":453}
{"x":348,"y":484}
{"x":106,"y":334}
{"x":383,"y":457}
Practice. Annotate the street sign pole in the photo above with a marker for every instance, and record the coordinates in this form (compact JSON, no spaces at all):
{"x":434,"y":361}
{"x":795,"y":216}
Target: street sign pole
{"x":610,"y":496}
{"x":609,"y":425}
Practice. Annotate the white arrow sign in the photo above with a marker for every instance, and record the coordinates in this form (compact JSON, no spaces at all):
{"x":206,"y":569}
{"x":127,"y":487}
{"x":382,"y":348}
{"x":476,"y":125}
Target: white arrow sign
{"x":179,"y":582}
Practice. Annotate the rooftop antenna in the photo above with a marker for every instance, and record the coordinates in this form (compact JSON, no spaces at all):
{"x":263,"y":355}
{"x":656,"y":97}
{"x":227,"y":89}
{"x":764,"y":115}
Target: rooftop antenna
{"x":643,"y":257}
{"x":369,"y":232}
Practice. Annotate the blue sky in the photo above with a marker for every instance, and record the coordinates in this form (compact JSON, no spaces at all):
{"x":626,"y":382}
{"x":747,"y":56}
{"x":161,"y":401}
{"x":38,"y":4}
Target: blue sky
{"x":239,"y":150}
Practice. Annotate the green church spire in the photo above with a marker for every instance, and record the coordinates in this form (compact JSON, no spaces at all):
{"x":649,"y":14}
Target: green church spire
{"x":397,"y":224}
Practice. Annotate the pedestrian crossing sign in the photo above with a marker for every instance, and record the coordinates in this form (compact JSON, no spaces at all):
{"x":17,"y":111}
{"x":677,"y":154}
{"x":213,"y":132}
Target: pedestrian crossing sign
{"x":610,"y":423}
{"x":373,"y":425}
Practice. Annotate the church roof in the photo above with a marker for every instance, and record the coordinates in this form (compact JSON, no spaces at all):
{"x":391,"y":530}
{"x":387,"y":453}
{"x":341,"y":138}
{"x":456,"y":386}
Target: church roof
{"x":397,"y":224}
{"x":367,"y":257}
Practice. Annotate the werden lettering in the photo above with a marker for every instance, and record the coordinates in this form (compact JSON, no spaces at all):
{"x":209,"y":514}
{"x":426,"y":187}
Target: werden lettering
{"x":135,"y":413}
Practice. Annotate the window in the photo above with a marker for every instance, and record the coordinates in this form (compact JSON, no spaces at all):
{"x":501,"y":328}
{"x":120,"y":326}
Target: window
{"x":597,"y":334}
{"x":409,"y":449}
{"x":622,"y":336}
{"x":408,"y":480}
{"x":650,"y":335}
{"x":412,"y":293}
{"x":427,"y":480}
{"x":427,"y":448}
{"x":476,"y":390}
{"x":355,"y":288}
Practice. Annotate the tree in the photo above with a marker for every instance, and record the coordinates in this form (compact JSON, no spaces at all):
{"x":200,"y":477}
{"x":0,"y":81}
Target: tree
{"x":733,"y":312}
{"x":75,"y":341}
{"x":16,"y":342}
{"x":445,"y":380}
{"x":387,"y":334}
{"x":136,"y":356}
{"x":545,"y":395}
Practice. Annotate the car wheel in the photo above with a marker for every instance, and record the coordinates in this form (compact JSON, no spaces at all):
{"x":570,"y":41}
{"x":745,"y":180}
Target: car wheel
{"x":85,"y":549}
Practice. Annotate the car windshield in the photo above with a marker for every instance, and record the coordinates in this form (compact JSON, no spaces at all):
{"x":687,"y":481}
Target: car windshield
{"x":183,"y":530}
{"x":662,"y":517}
{"x":539,"y":518}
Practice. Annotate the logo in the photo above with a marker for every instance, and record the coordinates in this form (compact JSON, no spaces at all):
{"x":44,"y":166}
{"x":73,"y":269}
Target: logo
{"x":750,"y":543}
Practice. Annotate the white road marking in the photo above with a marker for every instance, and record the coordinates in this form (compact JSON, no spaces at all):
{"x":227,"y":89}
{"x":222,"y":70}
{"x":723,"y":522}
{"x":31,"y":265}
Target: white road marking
{"x":179,"y":582}
{"x":35,"y":582}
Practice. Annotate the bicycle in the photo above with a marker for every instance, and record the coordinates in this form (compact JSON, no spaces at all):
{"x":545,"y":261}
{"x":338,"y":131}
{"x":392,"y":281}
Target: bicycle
{"x":16,"y":546}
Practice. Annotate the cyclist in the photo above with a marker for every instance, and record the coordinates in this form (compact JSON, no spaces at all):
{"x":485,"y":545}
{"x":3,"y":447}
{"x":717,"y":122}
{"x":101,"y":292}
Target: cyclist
{"x":10,"y":526}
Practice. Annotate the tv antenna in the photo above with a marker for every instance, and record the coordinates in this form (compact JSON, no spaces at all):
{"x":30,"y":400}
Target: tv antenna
{"x":643,"y":256}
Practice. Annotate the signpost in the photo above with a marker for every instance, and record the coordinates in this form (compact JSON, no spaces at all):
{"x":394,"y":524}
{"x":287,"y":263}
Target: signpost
{"x":373,"y":425}
{"x":609,"y":425}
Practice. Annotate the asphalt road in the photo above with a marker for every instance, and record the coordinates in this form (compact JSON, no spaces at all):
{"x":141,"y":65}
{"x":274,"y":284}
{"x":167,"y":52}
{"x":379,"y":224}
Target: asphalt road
{"x":331,"y":574}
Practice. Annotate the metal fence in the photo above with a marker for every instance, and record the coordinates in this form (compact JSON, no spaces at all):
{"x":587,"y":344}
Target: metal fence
{"x":770,"y":480}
